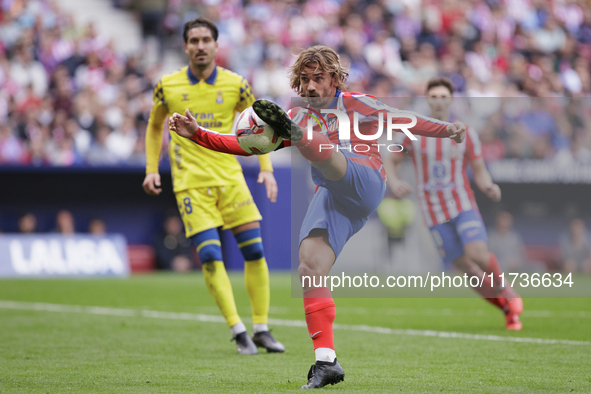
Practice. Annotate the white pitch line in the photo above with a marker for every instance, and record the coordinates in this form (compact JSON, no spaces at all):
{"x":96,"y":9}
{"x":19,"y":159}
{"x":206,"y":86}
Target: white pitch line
{"x":530,"y":313}
{"x":97,"y":310}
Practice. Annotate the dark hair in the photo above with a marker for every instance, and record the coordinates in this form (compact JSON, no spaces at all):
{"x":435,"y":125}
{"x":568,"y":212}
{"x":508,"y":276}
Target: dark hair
{"x":200,"y":22}
{"x":440,"y":81}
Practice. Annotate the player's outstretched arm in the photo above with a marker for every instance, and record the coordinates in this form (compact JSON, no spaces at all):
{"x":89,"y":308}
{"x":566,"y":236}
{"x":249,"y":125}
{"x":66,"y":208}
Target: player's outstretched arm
{"x":434,"y":128}
{"x":425,"y":126}
{"x":186,"y":126}
{"x":430,"y":127}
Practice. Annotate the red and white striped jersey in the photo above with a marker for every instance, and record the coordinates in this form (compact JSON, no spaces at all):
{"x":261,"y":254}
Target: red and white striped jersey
{"x":443,"y":186}
{"x":367,"y":110}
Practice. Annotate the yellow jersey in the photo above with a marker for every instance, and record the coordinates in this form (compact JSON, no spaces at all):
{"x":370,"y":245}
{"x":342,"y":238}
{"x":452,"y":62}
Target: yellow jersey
{"x":214,"y":103}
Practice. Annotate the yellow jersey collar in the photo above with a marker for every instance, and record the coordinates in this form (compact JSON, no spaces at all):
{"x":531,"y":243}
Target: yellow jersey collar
{"x":210,"y":80}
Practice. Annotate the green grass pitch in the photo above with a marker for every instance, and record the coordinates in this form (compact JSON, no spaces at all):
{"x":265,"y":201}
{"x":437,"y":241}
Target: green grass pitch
{"x":120,"y":349}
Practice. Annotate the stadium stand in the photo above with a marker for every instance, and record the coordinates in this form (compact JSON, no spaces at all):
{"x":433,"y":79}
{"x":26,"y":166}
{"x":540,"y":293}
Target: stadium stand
{"x":72,"y":96}
{"x":55,"y":63}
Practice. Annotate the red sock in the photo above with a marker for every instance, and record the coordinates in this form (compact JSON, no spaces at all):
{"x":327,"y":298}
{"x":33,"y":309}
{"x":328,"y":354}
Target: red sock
{"x":320,"y":313}
{"x":493,"y":266}
{"x":312,"y":150}
{"x":486,"y":290}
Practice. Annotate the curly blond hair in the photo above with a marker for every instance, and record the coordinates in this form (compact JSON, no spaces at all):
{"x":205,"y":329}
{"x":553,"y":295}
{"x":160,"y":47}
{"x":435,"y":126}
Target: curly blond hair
{"x":325,"y":59}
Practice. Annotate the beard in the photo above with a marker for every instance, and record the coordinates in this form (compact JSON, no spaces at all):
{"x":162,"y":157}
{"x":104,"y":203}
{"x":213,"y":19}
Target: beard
{"x":316,"y":100}
{"x":201,"y":59}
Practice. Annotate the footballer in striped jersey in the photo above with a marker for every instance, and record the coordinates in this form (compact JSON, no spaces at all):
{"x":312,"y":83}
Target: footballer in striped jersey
{"x":349,"y":177}
{"x":447,"y":201}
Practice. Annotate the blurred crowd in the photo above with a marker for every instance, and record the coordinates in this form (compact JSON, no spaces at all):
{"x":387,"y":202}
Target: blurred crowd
{"x":553,"y":129}
{"x":573,"y":254}
{"x":68,"y":98}
{"x":487,"y":47}
{"x":64,"y":223}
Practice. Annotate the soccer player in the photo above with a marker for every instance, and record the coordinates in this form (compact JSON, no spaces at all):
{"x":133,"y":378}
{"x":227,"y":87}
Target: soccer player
{"x":350,"y":185}
{"x":448,"y":203}
{"x":209,"y":187}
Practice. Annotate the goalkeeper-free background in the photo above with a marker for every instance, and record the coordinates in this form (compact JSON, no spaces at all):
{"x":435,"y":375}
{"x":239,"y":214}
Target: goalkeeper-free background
{"x":162,"y":334}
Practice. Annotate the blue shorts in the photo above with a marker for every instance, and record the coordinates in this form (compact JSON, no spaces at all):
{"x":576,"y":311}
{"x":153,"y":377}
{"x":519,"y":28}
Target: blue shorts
{"x":450,"y":237}
{"x":343,"y":207}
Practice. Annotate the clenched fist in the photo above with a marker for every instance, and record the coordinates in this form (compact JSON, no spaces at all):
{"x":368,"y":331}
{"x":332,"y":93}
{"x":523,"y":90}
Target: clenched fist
{"x":457,"y":132}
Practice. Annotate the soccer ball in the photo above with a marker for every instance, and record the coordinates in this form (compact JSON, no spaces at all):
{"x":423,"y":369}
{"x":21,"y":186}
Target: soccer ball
{"x":254,"y":135}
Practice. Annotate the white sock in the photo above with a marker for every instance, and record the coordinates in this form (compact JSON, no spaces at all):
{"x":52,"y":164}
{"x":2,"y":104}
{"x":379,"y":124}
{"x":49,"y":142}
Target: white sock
{"x":259,"y":327}
{"x":325,"y":354}
{"x":238,"y":328}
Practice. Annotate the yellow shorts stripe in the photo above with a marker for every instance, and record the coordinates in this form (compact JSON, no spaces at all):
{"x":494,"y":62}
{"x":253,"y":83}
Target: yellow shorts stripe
{"x":250,"y":242}
{"x":208,"y":242}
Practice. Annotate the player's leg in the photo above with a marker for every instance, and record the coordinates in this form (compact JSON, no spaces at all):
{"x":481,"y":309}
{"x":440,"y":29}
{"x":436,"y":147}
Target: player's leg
{"x":256,"y":272}
{"x":241,"y":215}
{"x":328,"y":224}
{"x":216,"y":278}
{"x":209,"y":249}
{"x":451,"y":250}
{"x":256,"y":278}
{"x":487,"y":291}
{"x":472,"y":232}
{"x":338,"y":210}
{"x":316,"y":258}
{"x":449,"y":245}
{"x":318,"y":150}
{"x":477,"y":251}
{"x":333,"y":167}
{"x":201,"y":218}
{"x":505,"y":298}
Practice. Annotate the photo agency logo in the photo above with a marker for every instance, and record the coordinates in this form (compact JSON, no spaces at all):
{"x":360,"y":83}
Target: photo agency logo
{"x":341,"y":121}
